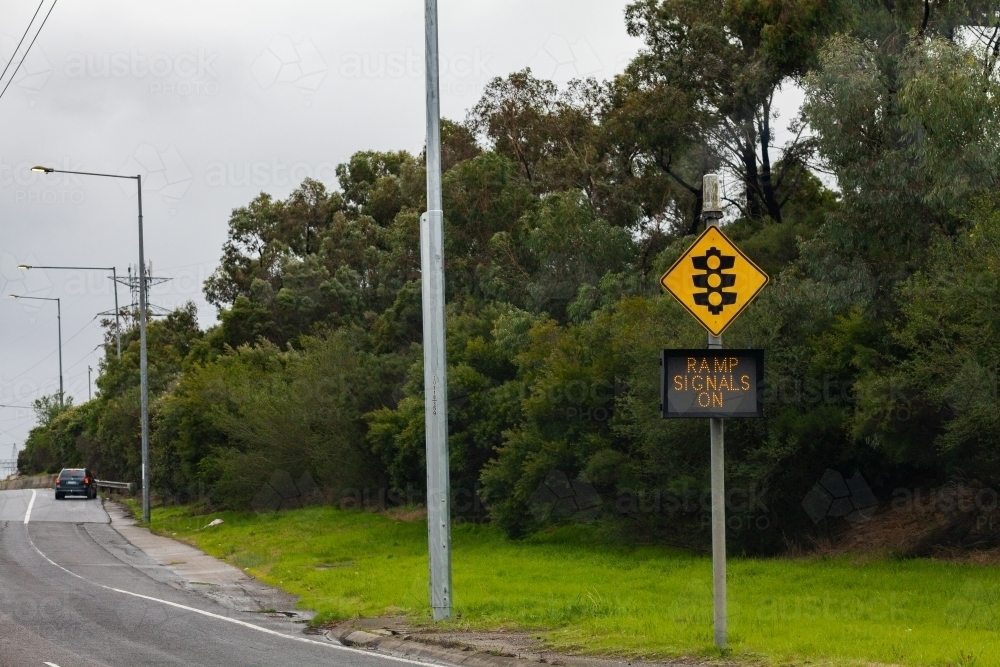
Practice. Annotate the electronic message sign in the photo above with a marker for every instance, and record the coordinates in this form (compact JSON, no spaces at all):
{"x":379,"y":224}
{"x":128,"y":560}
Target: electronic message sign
{"x":711,"y":383}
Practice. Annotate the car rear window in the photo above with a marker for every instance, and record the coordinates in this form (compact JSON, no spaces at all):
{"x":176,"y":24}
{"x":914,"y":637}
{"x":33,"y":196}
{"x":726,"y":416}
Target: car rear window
{"x":71,"y":474}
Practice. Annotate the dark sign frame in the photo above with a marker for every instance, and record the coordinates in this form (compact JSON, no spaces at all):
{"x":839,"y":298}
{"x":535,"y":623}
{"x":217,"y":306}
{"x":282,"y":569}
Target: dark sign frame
{"x":756,"y":355}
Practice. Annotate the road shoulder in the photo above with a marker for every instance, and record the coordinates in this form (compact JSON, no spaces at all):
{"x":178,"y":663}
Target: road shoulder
{"x":396,"y":637}
{"x":209,"y":576}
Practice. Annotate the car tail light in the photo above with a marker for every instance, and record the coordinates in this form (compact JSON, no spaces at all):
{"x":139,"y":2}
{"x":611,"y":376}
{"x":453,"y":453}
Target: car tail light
{"x":86,"y":480}
{"x":58,"y":480}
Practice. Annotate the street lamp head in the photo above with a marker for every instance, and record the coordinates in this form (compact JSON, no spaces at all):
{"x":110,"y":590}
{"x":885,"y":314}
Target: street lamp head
{"x":46,"y":170}
{"x":25,"y":267}
{"x":14,"y":296}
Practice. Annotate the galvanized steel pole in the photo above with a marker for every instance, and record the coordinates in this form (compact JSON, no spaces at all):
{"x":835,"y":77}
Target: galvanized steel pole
{"x":435,"y":363}
{"x":59,"y":322}
{"x":114,"y":278}
{"x":712,"y":211}
{"x":59,"y":329}
{"x":143,"y":365}
{"x":118,"y":324}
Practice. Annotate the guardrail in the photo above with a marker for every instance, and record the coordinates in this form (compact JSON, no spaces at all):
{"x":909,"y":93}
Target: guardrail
{"x":121,"y":486}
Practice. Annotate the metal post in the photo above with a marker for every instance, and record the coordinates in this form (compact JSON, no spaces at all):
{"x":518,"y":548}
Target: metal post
{"x":712,"y":211}
{"x":114,"y":278}
{"x":435,"y":363}
{"x":59,"y":323}
{"x":118,"y":324}
{"x":59,"y":331}
{"x":90,"y":395}
{"x":718,"y":521}
{"x":143,"y":367}
{"x":143,"y":379}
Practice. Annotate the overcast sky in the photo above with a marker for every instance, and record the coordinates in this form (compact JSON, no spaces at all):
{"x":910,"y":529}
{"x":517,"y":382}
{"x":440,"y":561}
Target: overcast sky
{"x":213,"y":102}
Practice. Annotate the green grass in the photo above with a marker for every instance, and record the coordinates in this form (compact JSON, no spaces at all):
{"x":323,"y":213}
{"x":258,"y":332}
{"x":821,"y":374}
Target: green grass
{"x":581,"y":593}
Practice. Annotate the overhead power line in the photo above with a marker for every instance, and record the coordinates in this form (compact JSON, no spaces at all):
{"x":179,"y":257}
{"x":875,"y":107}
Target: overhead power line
{"x":50,"y":355}
{"x":18,"y":47}
{"x":27,"y":50}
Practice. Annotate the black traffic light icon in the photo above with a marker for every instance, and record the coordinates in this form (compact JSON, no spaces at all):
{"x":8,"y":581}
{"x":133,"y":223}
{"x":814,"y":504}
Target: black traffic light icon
{"x":713,"y":281}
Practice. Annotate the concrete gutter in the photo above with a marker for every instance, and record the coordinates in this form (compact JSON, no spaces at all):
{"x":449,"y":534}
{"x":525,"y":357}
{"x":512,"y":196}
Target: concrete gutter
{"x":218,"y":580}
{"x":470,"y":649}
{"x":410,"y":646}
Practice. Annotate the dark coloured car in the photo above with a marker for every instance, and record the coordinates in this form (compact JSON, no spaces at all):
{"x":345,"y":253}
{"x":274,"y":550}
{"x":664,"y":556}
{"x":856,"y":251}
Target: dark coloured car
{"x":76,"y":482}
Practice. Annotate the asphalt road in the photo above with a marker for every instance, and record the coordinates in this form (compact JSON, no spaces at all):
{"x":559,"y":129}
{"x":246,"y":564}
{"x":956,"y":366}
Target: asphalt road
{"x":74,"y":593}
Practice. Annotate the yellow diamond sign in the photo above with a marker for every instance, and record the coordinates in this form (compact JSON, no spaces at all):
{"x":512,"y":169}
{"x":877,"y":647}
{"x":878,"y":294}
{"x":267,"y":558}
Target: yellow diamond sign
{"x":714,"y":280}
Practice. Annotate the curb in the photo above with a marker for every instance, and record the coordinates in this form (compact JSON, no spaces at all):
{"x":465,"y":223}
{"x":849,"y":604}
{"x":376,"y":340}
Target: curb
{"x":409,"y":646}
{"x":402,"y":643}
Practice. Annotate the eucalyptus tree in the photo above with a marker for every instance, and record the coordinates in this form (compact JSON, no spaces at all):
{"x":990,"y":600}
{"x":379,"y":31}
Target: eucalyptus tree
{"x":905,"y":119}
{"x":701,"y":93}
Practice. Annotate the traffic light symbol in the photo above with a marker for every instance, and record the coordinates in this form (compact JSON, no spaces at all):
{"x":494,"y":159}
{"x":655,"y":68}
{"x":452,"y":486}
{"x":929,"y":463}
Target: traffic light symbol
{"x":713,"y":281}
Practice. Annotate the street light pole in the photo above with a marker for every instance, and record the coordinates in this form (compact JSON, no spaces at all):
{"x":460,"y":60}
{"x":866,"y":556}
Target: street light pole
{"x":59,"y":323}
{"x":59,"y":327}
{"x":118,"y":311}
{"x":143,"y":366}
{"x":435,"y":362}
{"x":114,"y":279}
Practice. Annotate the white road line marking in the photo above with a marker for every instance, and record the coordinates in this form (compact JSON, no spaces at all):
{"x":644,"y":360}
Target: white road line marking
{"x":50,"y":664}
{"x":27,"y":516}
{"x":235,"y":621}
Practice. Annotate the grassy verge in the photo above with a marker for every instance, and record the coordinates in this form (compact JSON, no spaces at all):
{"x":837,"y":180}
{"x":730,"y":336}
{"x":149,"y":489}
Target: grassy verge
{"x":582,"y":594}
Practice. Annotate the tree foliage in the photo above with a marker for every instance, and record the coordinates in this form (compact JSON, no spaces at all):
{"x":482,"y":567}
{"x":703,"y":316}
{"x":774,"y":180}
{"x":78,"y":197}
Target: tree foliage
{"x":878,"y":223}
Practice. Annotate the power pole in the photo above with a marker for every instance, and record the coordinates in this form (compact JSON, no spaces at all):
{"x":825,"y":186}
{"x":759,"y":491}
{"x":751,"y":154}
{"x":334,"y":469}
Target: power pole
{"x":118,"y":322}
{"x":143,"y":363}
{"x":62,"y":396}
{"x":435,"y":363}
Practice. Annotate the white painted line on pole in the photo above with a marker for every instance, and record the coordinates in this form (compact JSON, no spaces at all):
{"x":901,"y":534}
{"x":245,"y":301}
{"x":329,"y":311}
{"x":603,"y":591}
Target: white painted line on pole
{"x":234,"y":621}
{"x":27,"y":513}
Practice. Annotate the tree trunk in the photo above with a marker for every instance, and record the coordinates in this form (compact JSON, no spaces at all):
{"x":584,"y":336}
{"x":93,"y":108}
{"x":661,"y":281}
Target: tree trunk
{"x":699,"y":201}
{"x":751,"y":179}
{"x":664,"y":164}
{"x":767,"y":187}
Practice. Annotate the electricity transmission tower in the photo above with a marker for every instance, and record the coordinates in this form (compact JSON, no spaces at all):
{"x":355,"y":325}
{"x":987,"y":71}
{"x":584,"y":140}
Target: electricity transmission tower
{"x":9,"y":466}
{"x":132,"y":282}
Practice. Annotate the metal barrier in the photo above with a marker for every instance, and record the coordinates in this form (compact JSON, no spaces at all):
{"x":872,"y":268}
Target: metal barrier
{"x":121,"y":486}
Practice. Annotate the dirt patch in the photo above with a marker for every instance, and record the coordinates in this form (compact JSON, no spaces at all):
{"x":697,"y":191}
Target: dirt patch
{"x":957,"y":522}
{"x":408,"y":514}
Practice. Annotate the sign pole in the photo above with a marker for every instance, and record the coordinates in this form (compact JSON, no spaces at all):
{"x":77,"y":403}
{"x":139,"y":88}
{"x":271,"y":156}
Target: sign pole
{"x":435,"y":363}
{"x":718,"y":524}
{"x":712,"y":211}
{"x":714,"y":281}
